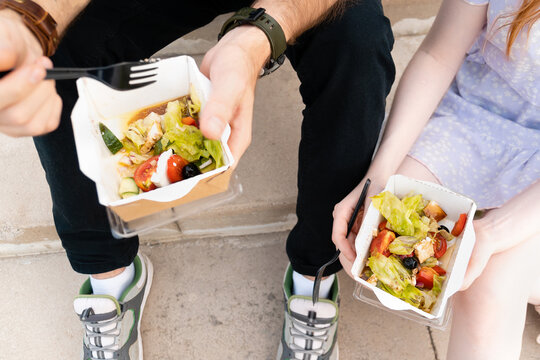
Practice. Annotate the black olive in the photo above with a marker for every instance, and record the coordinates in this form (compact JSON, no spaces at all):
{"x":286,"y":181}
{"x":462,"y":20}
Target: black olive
{"x":190,"y":170}
{"x":410,"y":262}
{"x":442,"y":227}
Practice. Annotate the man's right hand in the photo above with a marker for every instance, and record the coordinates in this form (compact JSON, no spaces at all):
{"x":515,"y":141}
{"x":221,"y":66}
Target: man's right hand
{"x":29,"y":106}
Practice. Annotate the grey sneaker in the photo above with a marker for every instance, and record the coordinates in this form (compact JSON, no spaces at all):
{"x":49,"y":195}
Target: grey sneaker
{"x":309,"y":331}
{"x":112,"y":327}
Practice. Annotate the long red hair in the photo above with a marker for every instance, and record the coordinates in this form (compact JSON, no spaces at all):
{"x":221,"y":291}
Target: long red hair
{"x":527,"y":15}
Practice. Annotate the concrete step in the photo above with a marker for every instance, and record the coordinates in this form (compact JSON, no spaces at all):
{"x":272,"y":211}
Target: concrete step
{"x":218,"y":298}
{"x":267,"y":171}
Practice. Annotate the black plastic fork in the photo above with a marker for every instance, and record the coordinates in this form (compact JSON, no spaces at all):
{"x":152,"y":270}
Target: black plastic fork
{"x":121,"y":76}
{"x":318,"y":278}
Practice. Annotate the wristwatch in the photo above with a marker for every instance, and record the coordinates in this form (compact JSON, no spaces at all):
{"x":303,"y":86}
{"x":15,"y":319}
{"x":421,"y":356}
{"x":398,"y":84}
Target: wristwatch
{"x":38,"y":21}
{"x":274,"y":33}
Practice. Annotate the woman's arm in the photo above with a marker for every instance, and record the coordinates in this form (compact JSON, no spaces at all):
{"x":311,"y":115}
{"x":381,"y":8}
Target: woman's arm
{"x":424,"y":83}
{"x":426,"y":80}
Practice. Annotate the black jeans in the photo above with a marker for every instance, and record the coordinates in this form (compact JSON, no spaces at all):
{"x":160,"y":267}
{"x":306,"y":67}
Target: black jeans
{"x":346,"y":72}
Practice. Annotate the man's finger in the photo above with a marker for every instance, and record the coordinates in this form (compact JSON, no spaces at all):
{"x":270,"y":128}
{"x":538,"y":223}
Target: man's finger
{"x":16,"y":85}
{"x":222,"y":104}
{"x":21,"y":114}
{"x":8,"y":57}
{"x":241,"y":127}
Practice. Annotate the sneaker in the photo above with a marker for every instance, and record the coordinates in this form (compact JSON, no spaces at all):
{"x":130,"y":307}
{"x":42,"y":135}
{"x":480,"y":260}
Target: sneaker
{"x":109,"y":324}
{"x":309,"y":331}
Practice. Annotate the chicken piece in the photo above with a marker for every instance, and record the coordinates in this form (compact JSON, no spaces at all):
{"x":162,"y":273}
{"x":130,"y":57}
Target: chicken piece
{"x":434,"y":211}
{"x":372,"y":280}
{"x":424,"y":249}
{"x":154,"y":134}
{"x":125,"y":161}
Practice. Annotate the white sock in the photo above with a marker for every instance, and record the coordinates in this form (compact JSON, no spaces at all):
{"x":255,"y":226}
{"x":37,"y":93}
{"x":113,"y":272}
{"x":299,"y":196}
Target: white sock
{"x":303,"y":286}
{"x":114,"y":286}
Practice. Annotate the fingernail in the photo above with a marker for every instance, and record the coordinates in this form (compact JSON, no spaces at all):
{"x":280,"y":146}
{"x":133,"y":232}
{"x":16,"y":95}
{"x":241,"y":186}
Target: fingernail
{"x":37,"y":75}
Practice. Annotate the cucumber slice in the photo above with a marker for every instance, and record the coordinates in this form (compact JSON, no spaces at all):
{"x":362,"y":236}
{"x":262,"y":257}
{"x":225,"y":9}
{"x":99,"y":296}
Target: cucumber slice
{"x":112,"y":142}
{"x":127,"y":195}
{"x":128,"y":188}
{"x":205,"y":164}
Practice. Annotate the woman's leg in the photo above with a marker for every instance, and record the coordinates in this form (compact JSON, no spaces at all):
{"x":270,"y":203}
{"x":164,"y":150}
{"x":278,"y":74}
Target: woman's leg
{"x":489,"y":317}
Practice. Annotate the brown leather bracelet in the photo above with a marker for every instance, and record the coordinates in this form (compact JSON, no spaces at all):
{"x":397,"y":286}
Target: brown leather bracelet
{"x":40,"y":22}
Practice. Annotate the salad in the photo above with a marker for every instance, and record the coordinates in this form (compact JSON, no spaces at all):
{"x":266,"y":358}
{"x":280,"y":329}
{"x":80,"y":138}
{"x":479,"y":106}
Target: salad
{"x":162,"y":144}
{"x":411,"y":248}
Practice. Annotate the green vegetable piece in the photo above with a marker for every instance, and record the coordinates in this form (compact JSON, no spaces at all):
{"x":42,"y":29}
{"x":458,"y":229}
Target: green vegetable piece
{"x":390,"y":271}
{"x":111,"y":141}
{"x":215,"y":150}
{"x":430,"y":262}
{"x":403,"y":217}
{"x":172,"y":115}
{"x":396,"y":280}
{"x":186,"y":141}
{"x":403,"y":245}
{"x":128,"y":188}
{"x":158,"y":148}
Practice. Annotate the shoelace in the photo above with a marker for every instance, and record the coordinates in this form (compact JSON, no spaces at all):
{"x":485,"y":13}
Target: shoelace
{"x":296,"y":333}
{"x":93,"y":331}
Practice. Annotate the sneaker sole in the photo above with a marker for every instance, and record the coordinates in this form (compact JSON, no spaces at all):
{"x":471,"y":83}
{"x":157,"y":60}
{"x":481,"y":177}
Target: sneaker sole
{"x":280,"y":351}
{"x":150,"y":275}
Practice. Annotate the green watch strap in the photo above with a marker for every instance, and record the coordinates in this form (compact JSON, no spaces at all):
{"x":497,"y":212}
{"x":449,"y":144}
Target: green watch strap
{"x":274,"y":33}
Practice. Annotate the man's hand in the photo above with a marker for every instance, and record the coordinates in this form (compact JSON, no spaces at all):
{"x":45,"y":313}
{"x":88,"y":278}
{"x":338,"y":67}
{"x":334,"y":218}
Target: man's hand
{"x":233,"y":66}
{"x":28,"y":105}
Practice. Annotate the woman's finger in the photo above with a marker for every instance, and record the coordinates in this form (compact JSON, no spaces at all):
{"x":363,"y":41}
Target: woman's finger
{"x":477,"y":264}
{"x":342,"y":214}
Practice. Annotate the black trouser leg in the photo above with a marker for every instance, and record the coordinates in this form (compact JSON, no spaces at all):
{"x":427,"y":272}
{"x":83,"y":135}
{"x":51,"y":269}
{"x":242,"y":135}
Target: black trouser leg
{"x":346,"y":72}
{"x":107,"y":32}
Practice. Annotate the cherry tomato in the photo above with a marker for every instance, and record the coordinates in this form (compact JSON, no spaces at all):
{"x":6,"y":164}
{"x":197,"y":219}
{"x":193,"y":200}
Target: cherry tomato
{"x":382,"y":225}
{"x":381,"y":242}
{"x":189,"y":121}
{"x":144,"y":173}
{"x":439,"y":270}
{"x":459,"y":225}
{"x":425,"y":276}
{"x":439,"y":245}
{"x":175,"y":164}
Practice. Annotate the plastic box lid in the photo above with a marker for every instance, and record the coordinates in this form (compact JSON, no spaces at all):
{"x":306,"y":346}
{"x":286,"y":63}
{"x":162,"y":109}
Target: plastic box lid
{"x":124,"y":229}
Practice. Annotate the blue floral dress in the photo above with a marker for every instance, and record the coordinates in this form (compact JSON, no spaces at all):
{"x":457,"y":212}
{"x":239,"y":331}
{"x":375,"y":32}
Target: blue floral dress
{"x":484,"y":138}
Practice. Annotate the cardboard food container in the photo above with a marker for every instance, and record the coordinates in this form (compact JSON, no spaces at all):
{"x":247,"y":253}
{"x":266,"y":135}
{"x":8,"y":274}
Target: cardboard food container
{"x":457,"y":260}
{"x":177,"y":76}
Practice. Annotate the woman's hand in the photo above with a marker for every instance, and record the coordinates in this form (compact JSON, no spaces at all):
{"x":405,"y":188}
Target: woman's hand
{"x":503,"y":228}
{"x":342,"y":215}
{"x":482,"y":251}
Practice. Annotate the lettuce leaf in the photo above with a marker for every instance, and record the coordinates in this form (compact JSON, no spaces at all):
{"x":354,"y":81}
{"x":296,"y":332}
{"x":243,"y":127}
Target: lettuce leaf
{"x":395,"y":279}
{"x":171,"y":118}
{"x":414,"y":202}
{"x":402,"y":215}
{"x":214,"y":149}
{"x":403,"y":245}
{"x":186,"y":141}
{"x":390,"y":271}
